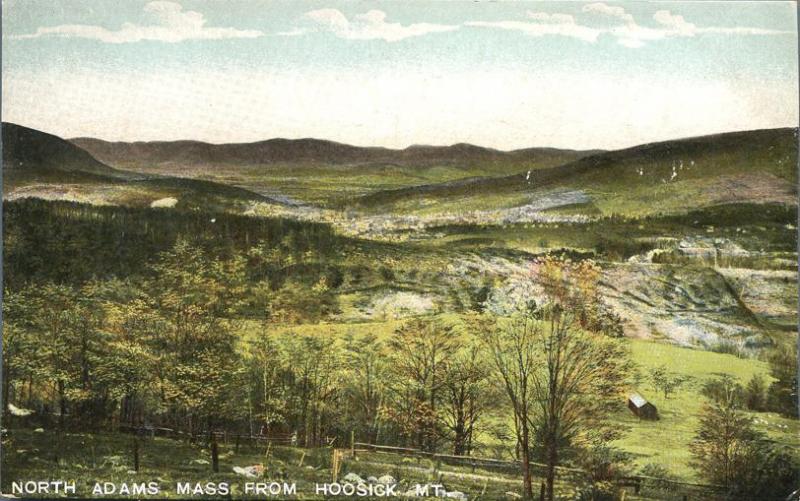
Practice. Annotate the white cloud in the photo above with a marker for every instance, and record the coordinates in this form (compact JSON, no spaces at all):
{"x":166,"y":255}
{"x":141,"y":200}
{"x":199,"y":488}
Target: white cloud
{"x":169,"y":23}
{"x":674,"y":23}
{"x":618,"y":23}
{"x":609,"y":11}
{"x":542,"y":24}
{"x":371,"y":25}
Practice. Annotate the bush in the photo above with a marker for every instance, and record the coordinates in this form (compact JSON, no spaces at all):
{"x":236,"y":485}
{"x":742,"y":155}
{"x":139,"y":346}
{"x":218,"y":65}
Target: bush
{"x":782,"y":393}
{"x":729,"y":452}
{"x":598,"y":491}
{"x":723,"y":389}
{"x":755,"y":394}
{"x":604,"y":463}
{"x":658,"y":478}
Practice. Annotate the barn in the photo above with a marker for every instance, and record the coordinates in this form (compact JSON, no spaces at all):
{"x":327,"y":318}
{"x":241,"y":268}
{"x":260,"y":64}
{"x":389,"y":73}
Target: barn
{"x":641,"y":407}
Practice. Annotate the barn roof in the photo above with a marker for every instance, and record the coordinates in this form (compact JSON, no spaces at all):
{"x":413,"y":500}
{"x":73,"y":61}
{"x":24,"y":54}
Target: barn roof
{"x":638,"y":400}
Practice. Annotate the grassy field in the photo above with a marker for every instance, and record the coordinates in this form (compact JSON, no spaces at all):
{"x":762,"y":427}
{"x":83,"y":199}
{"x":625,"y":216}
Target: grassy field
{"x":664,"y":442}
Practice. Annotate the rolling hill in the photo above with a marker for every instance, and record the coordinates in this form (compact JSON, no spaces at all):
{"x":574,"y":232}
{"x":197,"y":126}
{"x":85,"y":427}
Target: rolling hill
{"x":309,"y":151}
{"x":41,"y":165}
{"x":319,"y":172}
{"x":31,"y":154}
{"x":758,"y":166}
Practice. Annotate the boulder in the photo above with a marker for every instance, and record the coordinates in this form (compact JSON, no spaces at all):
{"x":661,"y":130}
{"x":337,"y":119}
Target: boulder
{"x":387,"y":480}
{"x":353,"y":478}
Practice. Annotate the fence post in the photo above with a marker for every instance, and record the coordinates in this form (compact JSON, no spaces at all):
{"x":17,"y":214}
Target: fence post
{"x":238,"y":437}
{"x":214,"y":455}
{"x":353,"y":442}
{"x":335,"y":465}
{"x":136,"y":453}
{"x":541,"y":493}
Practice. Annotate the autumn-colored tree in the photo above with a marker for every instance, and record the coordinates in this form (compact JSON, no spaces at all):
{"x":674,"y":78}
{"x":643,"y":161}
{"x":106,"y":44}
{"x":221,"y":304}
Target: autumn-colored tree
{"x":193,"y":298}
{"x":420,"y":353}
{"x":514,"y":352}
{"x":20,"y":355}
{"x":267,"y":367}
{"x":315,"y":365}
{"x":468,"y":396}
{"x":365,"y":363}
{"x":563,"y":379}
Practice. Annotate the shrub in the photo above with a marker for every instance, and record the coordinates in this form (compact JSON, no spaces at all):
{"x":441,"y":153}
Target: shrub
{"x":755,"y":394}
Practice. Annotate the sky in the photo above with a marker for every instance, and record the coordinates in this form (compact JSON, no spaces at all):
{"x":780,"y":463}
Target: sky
{"x":500,"y":74}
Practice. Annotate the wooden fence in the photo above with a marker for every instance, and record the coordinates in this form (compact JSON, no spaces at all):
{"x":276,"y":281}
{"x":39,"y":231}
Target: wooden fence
{"x":680,"y":490}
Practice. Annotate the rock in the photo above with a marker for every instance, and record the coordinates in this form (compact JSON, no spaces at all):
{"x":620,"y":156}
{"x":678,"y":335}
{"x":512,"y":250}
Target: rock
{"x":199,"y":461}
{"x":456,"y":495}
{"x":131,"y":472}
{"x":39,"y":430}
{"x":253,"y":471}
{"x":168,"y":202}
{"x":513,"y":495}
{"x":387,"y":480}
{"x":19,"y":411}
{"x":372,"y":480}
{"x":353,"y":478}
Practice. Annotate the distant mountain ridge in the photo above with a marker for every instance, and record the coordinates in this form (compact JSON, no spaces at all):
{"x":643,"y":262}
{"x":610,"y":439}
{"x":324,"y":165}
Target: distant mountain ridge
{"x":32,"y":157}
{"x":307,"y":150}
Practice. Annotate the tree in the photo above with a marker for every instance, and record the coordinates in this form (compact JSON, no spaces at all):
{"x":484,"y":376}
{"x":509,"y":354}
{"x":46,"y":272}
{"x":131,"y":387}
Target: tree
{"x":136,"y":364}
{"x":515,"y":357}
{"x":192,"y":297}
{"x":366,"y":374}
{"x":782,"y":393}
{"x":420,"y":353}
{"x":63,"y":327}
{"x":729,"y":452}
{"x":267,"y":382}
{"x":562,"y":376}
{"x":720,"y":446}
{"x":755,"y":393}
{"x":468,"y":396}
{"x":19,"y":344}
{"x":315,"y":369}
{"x":666,"y":381}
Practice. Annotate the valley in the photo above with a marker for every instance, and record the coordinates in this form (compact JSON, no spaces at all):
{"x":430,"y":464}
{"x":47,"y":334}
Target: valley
{"x":282,"y":249}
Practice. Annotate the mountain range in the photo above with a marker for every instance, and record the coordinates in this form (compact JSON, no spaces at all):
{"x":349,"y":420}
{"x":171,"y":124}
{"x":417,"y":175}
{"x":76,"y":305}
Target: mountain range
{"x":668,"y":176}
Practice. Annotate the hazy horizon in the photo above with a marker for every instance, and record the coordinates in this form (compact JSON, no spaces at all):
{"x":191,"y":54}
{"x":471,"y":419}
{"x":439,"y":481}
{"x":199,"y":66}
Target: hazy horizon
{"x":507,"y":75}
{"x":399,"y":148}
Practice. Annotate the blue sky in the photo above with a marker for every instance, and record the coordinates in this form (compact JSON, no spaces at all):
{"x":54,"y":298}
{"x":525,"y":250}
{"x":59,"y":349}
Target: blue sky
{"x":502,"y":74}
